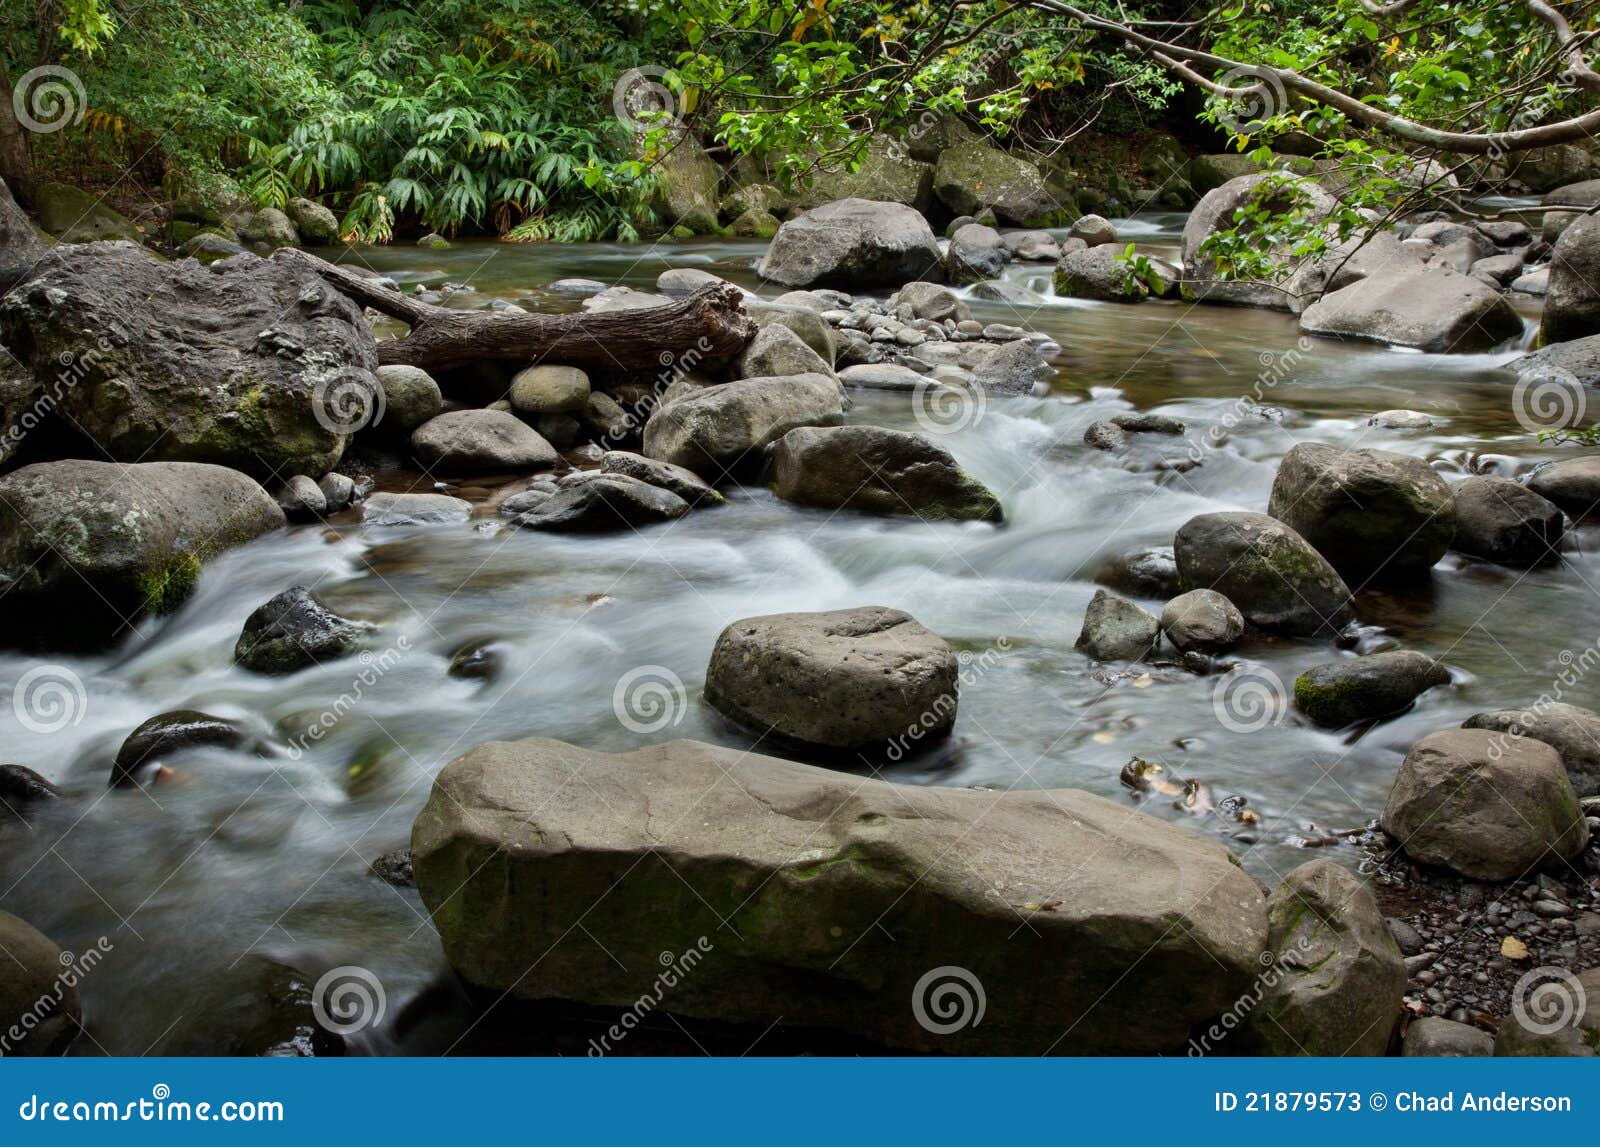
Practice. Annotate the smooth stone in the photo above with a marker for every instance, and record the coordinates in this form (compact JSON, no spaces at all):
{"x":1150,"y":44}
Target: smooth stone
{"x":481,"y":441}
{"x":1571,"y":483}
{"x":295,"y":631}
{"x":686,"y":484}
{"x":878,"y":471}
{"x":1272,"y":574}
{"x":1116,"y":629}
{"x":1340,"y":693}
{"x":31,"y":984}
{"x":1571,"y":730}
{"x":601,"y":503}
{"x":1505,"y":522}
{"x":168,"y":733}
{"x":413,"y":509}
{"x":1202,"y":620}
{"x":549,"y":390}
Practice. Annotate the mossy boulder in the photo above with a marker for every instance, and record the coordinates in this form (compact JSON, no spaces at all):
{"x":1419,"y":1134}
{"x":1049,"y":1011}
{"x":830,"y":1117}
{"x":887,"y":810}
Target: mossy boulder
{"x":1274,"y":576}
{"x":687,"y":183}
{"x":316,"y":224}
{"x":767,"y":888}
{"x":887,"y":174}
{"x":73,"y":215}
{"x":754,"y":225}
{"x":854,"y":245}
{"x":87,"y":548}
{"x":762,"y":198}
{"x":973,"y":176}
{"x":268,"y":229}
{"x":248,"y":363}
{"x":1340,"y":693}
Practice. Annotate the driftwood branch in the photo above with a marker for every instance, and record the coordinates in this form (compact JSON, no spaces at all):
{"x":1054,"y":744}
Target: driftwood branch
{"x":709,"y":327}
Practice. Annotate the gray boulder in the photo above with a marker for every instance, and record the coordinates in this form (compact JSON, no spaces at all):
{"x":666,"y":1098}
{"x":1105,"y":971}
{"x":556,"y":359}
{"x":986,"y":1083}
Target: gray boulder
{"x":681,"y":282}
{"x":686,"y":184}
{"x":413,"y":509}
{"x":36,"y":1000}
{"x":338,"y":491}
{"x":725,"y":429}
{"x":1016,"y":367}
{"x":20,"y":245}
{"x":1150,"y":571}
{"x":1272,"y":574}
{"x":73,"y":215}
{"x":295,"y":631}
{"x":777,"y":351}
{"x":1499,"y":520}
{"x":549,"y":390}
{"x":1202,"y":620}
{"x":301,"y":499}
{"x":1489,"y":806}
{"x":885,"y":174}
{"x":878,"y":471}
{"x":257,"y":365}
{"x":268,"y":229}
{"x":849,"y":680}
{"x":1442,"y":1038}
{"x":812,"y":328}
{"x":1371,"y":513}
{"x":603,"y":502}
{"x":1097,"y":273}
{"x":1572,"y":301}
{"x":853,"y":244}
{"x":686,"y":484}
{"x":972,"y":176}
{"x":930,"y":301}
{"x":1574,"y":364}
{"x":885,"y":376}
{"x":481,"y":441}
{"x":1115,"y":629}
{"x":1095,"y":230}
{"x":1033,"y":246}
{"x":87,"y":547}
{"x":1560,"y":1016}
{"x":1337,"y":976}
{"x":410,"y":398}
{"x":1340,"y":693}
{"x":1437,"y":310}
{"x":316,"y":224}
{"x":976,"y":253}
{"x":800,"y":891}
{"x":1572,"y":731}
{"x":1275,"y":191}
{"x":1572,"y":483}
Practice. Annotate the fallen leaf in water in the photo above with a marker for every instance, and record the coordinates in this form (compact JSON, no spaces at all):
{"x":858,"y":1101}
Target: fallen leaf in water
{"x":1103,"y":738}
{"x":1514,"y":949}
{"x":1143,"y":681}
{"x":1046,"y":906}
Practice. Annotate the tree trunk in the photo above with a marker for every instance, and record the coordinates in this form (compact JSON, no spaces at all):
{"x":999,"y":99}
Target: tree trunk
{"x":704,"y":330}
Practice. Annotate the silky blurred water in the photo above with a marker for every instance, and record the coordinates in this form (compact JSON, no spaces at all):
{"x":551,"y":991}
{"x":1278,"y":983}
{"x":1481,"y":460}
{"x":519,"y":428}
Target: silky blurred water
{"x":241,"y":854}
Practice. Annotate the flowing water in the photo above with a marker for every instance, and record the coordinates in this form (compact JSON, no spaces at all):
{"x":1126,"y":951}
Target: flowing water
{"x":241,"y":854}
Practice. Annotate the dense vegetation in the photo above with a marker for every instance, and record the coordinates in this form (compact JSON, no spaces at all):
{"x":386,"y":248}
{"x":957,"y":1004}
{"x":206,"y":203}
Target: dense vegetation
{"x":501,"y":116}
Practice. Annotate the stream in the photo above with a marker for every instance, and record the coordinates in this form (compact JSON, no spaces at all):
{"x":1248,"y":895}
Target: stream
{"x":241,"y":854}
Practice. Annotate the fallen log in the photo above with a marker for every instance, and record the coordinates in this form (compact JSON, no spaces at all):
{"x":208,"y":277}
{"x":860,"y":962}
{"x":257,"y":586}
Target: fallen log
{"x":705,"y":329}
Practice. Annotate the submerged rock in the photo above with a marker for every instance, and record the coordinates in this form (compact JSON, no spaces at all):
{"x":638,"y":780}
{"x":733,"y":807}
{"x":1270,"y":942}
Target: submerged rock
{"x":854,"y":680}
{"x":1272,"y":574}
{"x":1490,"y":806}
{"x":88,"y":547}
{"x":413,"y":509}
{"x":1115,"y":629}
{"x":169,"y":733}
{"x":23,"y":790}
{"x":1151,"y":571}
{"x":878,"y":471}
{"x":295,"y":631}
{"x":797,"y":891}
{"x":1341,"y":693}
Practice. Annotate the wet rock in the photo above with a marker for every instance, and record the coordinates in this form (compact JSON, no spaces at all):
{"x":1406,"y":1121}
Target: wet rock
{"x":1409,"y":939}
{"x":1402,"y":420}
{"x":22,"y":790}
{"x":1433,"y":1036}
{"x":1340,"y":979}
{"x":1572,"y":301}
{"x":237,"y":363}
{"x":476,"y":661}
{"x":777,"y":352}
{"x":413,"y":509}
{"x":1095,"y":230}
{"x":1115,"y":629}
{"x":268,"y":229}
{"x":316,"y":224}
{"x":1563,"y":1018}
{"x":1572,"y":731}
{"x":930,"y":301}
{"x":1202,"y":620}
{"x":1272,"y":574}
{"x":301,"y":499}
{"x":395,"y":868}
{"x":1437,"y":310}
{"x":1499,"y":520}
{"x":855,"y":244}
{"x":816,"y":869}
{"x":1215,"y":212}
{"x":878,"y":471}
{"x":812,"y":328}
{"x":681,"y":282}
{"x":1033,"y":246}
{"x":1572,"y":483}
{"x":410,"y":398}
{"x":976,"y":252}
{"x":853,"y":680}
{"x":1016,"y":367}
{"x":1105,"y":435}
{"x":1101,"y":273}
{"x":20,"y":245}
{"x":1343,"y":692}
{"x":1148,"y":572}
{"x":481,"y":441}
{"x":256,"y":1007}
{"x":604,"y":502}
{"x":686,"y":484}
{"x":32,"y":985}
{"x":1146,"y":422}
{"x":338,"y":491}
{"x":166,"y":734}
{"x":73,"y":215}
{"x":1485,"y":805}
{"x":84,"y":545}
{"x":295,"y":631}
{"x":549,"y":390}
{"x":1371,"y":513}
{"x":723,"y":429}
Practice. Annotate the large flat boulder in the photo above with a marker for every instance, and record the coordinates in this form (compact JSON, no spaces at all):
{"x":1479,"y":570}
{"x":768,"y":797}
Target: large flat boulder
{"x":725,"y":429}
{"x":854,"y":245}
{"x":823,"y":898}
{"x":1435,"y":309}
{"x":88,"y":547}
{"x":878,"y":471}
{"x":249,"y":363}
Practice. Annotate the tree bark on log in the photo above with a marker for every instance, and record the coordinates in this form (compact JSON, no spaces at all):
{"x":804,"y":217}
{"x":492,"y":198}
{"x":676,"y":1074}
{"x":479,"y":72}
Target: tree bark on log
{"x":708,"y":328}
